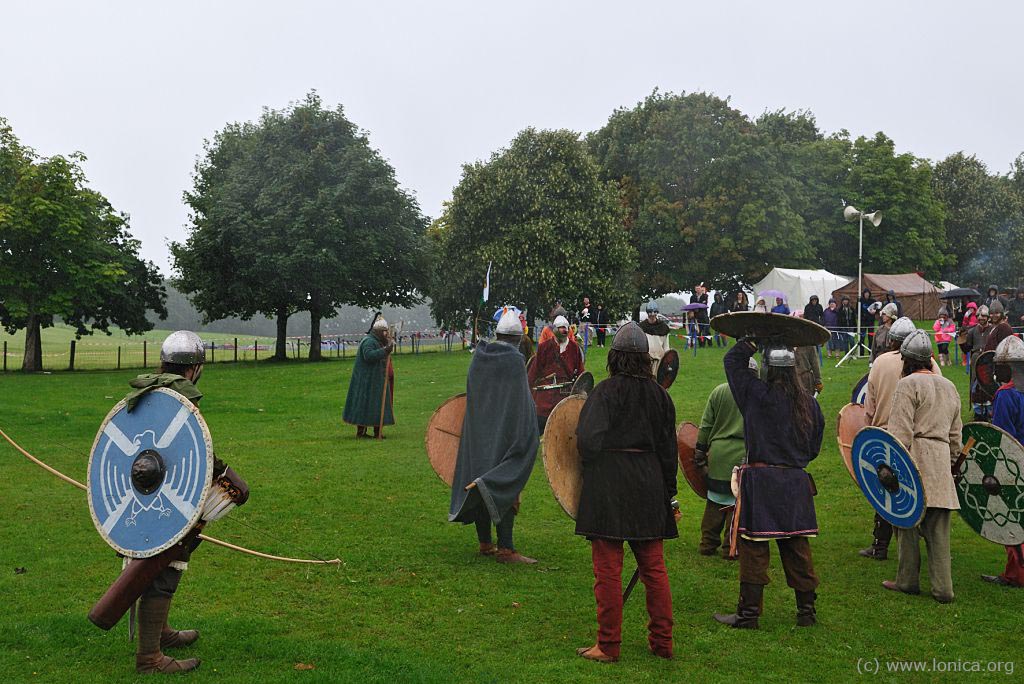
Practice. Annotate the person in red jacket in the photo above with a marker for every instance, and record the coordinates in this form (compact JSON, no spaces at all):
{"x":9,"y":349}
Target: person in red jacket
{"x":559,"y":361}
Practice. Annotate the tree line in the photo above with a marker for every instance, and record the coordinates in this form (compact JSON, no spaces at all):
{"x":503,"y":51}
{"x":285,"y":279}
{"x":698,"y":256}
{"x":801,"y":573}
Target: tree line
{"x":296,"y":212}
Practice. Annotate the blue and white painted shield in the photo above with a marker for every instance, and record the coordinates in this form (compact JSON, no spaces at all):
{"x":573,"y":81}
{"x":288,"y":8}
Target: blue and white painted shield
{"x":149,"y":472}
{"x":860,"y":391}
{"x":888,"y":478}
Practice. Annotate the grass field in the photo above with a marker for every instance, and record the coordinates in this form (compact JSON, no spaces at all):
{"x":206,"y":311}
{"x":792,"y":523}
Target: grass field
{"x":413,"y":601}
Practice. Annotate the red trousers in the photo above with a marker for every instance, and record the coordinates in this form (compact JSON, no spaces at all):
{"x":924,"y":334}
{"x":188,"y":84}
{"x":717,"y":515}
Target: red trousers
{"x":607,"y":557}
{"x":1014,"y":571}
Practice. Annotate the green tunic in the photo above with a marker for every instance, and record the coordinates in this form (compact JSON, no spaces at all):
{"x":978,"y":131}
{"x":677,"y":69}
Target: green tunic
{"x":150,"y":381}
{"x":362,"y":406}
{"x":721,"y":428}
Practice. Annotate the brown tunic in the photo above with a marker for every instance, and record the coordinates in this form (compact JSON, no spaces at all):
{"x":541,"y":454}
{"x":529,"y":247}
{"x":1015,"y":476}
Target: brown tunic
{"x":886,"y":371}
{"x":925,"y":416}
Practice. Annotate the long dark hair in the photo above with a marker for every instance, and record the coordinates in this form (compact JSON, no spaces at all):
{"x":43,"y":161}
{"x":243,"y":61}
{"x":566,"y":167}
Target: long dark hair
{"x":911,"y":366}
{"x":636,"y":364}
{"x":785,"y":379}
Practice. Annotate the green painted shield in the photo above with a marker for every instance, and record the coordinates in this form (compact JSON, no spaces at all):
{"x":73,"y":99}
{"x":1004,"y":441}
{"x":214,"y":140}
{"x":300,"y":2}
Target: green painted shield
{"x":991,"y":485}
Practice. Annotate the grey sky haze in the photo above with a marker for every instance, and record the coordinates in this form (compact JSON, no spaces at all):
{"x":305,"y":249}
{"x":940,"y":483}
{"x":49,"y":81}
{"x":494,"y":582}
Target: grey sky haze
{"x":137,"y":86}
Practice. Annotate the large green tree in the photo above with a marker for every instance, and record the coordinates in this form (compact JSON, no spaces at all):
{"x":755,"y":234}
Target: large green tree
{"x":298,"y":213}
{"x":65,"y":253}
{"x":707,"y":194}
{"x":982,"y":221}
{"x":552,"y":229}
{"x":912,"y":234}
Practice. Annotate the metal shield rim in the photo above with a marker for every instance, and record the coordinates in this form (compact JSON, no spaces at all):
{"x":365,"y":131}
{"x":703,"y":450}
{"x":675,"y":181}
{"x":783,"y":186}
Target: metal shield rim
{"x":544,"y":455}
{"x":426,"y":436}
{"x":1004,"y":434}
{"x":195,"y":517}
{"x":701,"y":492}
{"x":869,"y":430}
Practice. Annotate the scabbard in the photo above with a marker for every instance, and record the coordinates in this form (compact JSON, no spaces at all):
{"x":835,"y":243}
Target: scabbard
{"x":135,"y":579}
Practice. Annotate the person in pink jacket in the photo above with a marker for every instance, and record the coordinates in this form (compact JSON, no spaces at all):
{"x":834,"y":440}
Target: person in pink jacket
{"x":944,"y":327}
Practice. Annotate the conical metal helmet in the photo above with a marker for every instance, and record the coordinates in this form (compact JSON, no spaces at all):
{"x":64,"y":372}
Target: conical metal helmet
{"x":183,"y":347}
{"x":630,"y":338}
{"x":917,"y":346}
{"x":1010,"y":350}
{"x":900,"y":328}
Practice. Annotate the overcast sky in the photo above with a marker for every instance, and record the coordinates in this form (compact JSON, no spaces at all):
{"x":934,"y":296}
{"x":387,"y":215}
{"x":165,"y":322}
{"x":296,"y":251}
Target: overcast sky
{"x":137,"y":87}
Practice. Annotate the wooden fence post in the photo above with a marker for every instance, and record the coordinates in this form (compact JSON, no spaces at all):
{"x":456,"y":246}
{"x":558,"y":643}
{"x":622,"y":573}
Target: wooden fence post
{"x":5,"y":356}
{"x":144,"y":360}
{"x":236,"y":350}
{"x":118,"y":357}
{"x":213,"y":346}
{"x":255,"y":350}
{"x":71,"y":357}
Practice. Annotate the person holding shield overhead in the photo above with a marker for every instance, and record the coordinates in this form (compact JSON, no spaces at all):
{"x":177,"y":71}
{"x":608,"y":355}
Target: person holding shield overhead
{"x":371,"y":390}
{"x":783,"y":428}
{"x":626,"y":439}
{"x":925,"y":417}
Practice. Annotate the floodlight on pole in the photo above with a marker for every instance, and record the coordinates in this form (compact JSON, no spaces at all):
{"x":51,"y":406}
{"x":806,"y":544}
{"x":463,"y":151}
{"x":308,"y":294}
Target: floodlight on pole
{"x":851,"y":214}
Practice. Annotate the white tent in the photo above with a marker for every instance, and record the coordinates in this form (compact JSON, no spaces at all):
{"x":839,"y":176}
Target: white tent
{"x":799,"y":284}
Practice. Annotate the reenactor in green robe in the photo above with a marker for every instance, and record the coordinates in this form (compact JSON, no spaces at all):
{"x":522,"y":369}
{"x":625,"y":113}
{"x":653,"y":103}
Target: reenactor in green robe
{"x":367,"y":405}
{"x":721,"y":436}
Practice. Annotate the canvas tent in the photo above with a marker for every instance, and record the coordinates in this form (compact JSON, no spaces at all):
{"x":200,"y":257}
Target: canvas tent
{"x":920,"y":299}
{"x":799,"y":284}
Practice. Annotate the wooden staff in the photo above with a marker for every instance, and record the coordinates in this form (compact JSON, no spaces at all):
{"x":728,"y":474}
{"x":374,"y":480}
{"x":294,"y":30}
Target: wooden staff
{"x":384,"y":395}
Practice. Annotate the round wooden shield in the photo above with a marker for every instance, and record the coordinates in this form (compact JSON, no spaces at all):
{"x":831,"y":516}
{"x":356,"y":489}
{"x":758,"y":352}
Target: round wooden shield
{"x":562,"y":462}
{"x":852,"y":418}
{"x":668,"y":368}
{"x":686,"y":441}
{"x":888,"y":477}
{"x":860,"y":392}
{"x":788,"y":330}
{"x":985,"y":385}
{"x":991,"y":484}
{"x":149,"y":473}
{"x":444,"y":432}
{"x":584,"y":384}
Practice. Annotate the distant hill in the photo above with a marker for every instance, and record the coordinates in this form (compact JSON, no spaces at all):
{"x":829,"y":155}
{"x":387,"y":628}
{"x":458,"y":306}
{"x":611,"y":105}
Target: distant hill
{"x":181,"y":315}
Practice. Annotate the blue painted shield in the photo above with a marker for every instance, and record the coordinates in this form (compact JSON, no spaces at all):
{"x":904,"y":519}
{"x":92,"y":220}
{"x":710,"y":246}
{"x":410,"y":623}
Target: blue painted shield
{"x":860,"y":391}
{"x":888,"y":478}
{"x":149,"y":472}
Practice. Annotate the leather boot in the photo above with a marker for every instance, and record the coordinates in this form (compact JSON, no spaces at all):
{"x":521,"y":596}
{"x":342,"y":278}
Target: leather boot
{"x":174,"y":638}
{"x":148,"y":656}
{"x":747,"y":610}
{"x":806,"y":616}
{"x":879,"y":549}
{"x":488,"y":549}
{"x":513,"y":556}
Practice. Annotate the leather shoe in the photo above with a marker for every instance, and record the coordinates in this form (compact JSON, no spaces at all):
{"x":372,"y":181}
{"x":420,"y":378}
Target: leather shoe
{"x":596,"y":654}
{"x":513,"y":556}
{"x":1000,"y":580}
{"x":891,"y":586}
{"x":872,"y":552}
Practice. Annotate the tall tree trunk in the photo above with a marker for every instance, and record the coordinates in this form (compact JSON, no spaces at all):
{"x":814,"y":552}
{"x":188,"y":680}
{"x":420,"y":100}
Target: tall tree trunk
{"x":281,"y":350}
{"x":314,"y":334}
{"x":33,"y":359}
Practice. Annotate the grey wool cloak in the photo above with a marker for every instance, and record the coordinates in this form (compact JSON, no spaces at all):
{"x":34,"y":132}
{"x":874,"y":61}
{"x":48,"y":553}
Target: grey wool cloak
{"x":499,"y":435}
{"x":362,"y":406}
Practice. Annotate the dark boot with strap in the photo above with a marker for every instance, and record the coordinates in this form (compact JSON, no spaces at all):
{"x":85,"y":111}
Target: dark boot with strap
{"x":747,"y":610}
{"x":806,"y":616}
{"x":879,"y":549}
{"x":149,"y":658}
